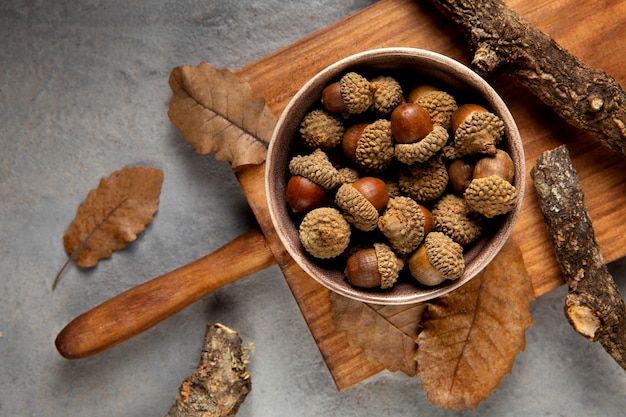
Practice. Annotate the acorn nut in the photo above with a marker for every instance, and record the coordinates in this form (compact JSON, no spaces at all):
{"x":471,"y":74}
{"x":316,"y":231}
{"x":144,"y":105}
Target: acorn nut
{"x":490,"y":196}
{"x":454,"y":219}
{"x":423,"y":150}
{"x":405,"y":223}
{"x":438,"y":259}
{"x":410,"y":123}
{"x":476,"y":131}
{"x":303,"y":194}
{"x":351,"y":94}
{"x":324,"y":233}
{"x":370,"y":145}
{"x":320,"y":129}
{"x":362,"y":201}
{"x":460,"y":172}
{"x":373,"y":267}
{"x":499,"y":164}
{"x":374,"y":190}
{"x":317,"y":167}
{"x":386,"y":94}
{"x":439,"y":104}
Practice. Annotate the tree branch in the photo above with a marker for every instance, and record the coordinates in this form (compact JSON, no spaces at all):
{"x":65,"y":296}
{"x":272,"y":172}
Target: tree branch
{"x":503,"y":42}
{"x":593,"y":305}
{"x":220,"y":383}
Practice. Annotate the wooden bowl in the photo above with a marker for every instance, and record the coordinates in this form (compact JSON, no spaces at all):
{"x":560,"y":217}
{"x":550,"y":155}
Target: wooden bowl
{"x":405,"y":64}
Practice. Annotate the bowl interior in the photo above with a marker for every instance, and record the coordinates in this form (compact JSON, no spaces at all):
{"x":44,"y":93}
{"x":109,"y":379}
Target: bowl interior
{"x":411,"y":67}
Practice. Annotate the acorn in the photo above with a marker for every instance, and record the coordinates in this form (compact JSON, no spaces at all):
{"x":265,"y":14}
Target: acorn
{"x":491,"y":196}
{"x":439,"y":104}
{"x":438,"y":259}
{"x":324,"y":233}
{"x":405,"y":223}
{"x":499,"y":164}
{"x":476,"y":131}
{"x":303,"y":195}
{"x":351,"y":138}
{"x":426,"y":181}
{"x":369,"y":145}
{"x":410,"y":123}
{"x":320,"y":129}
{"x":376,"y":267}
{"x":453,"y":218}
{"x":362,"y":201}
{"x":316,"y":167}
{"x":386,"y":94}
{"x":423,"y":150}
{"x":351,"y":94}
{"x":460,"y":173}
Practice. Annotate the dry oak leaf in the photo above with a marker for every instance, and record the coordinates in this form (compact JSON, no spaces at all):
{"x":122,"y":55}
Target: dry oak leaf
{"x":386,"y":334}
{"x":216,"y":112}
{"x":470,"y":337}
{"x":113,"y":214}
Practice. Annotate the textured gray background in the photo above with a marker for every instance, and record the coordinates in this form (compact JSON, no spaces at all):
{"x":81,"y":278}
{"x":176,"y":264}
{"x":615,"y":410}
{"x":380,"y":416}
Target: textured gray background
{"x":83,"y":92}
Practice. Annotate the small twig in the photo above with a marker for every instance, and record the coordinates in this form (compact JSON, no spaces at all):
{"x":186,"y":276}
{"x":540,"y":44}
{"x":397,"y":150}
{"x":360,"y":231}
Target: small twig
{"x":593,"y":305}
{"x":505,"y":43}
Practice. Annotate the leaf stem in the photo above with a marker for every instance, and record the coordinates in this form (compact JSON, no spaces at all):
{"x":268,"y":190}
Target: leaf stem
{"x":58,"y":275}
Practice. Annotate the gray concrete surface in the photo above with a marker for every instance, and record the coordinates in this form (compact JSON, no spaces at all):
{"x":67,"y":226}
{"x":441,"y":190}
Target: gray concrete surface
{"x":83,"y":92}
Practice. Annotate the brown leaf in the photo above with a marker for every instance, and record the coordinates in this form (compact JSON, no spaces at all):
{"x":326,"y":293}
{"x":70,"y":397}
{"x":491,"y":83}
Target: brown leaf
{"x":386,"y":334}
{"x":217,"y":112}
{"x":471,"y":336}
{"x":113,"y":214}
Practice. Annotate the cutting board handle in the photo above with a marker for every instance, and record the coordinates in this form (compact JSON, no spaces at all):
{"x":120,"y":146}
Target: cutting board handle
{"x":139,"y":308}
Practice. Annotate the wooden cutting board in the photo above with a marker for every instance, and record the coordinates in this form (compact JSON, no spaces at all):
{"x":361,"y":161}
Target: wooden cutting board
{"x":594,"y":30}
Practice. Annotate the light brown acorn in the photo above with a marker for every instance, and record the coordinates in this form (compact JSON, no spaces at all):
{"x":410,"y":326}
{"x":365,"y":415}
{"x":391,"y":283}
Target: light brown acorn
{"x":438,"y":259}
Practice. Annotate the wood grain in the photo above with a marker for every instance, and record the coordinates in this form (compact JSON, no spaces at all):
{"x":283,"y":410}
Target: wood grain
{"x":141,"y":307}
{"x":593,"y":30}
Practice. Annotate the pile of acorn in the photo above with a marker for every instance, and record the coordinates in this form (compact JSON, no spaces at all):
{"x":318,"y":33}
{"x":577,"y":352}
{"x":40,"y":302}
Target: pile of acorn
{"x":388,"y":182}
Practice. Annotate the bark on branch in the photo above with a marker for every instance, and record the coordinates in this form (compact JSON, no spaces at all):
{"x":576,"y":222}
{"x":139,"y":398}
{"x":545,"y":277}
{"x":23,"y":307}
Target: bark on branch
{"x":220,"y":383}
{"x":593,"y":305}
{"x":503,"y":42}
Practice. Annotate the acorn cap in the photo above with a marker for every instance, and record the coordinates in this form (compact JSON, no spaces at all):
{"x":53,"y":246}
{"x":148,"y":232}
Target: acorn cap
{"x":356,"y":92}
{"x":426,"y":181}
{"x":445,"y":255}
{"x":320,"y":129}
{"x":393,"y":188}
{"x":389,"y":265}
{"x":439,"y":105}
{"x":477,"y":135}
{"x":374,"y":150}
{"x":348,"y":175}
{"x":324,"y":233}
{"x":454,"y":219}
{"x":403,"y":223}
{"x":356,"y":208}
{"x":387,"y":94}
{"x":490,"y":196}
{"x":423,"y":150}
{"x":317,"y":167}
